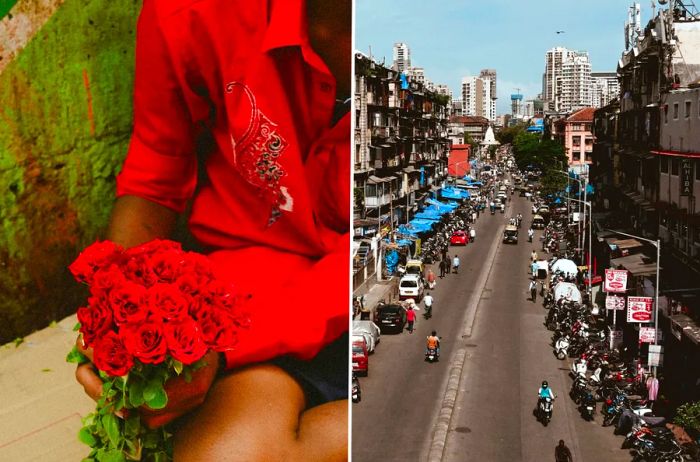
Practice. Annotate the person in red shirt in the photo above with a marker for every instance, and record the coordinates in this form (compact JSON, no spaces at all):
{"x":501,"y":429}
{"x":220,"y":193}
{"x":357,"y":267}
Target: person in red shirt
{"x":241,"y":117}
{"x":410,"y":317}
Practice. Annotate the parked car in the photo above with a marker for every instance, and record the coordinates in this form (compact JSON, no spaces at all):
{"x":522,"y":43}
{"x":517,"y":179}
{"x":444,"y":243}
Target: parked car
{"x":459,"y":238}
{"x":411,"y":286}
{"x":538,"y":222}
{"x":360,"y":357}
{"x":391,"y":318}
{"x":369,"y":330}
{"x":510,"y":234}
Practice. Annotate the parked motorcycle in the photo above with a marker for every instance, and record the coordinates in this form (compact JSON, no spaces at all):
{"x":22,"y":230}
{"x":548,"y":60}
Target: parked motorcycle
{"x":587,"y":405}
{"x":561,"y":347}
{"x":356,"y":391}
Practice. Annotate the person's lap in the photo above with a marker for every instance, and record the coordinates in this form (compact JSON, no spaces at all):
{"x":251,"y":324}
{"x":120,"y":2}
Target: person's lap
{"x":259,"y":413}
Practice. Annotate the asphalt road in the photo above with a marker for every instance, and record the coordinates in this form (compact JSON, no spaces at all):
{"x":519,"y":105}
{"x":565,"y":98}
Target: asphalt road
{"x":412,"y":409}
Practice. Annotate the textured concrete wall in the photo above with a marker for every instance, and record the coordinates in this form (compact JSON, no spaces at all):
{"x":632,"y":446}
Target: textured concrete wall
{"x":65,"y":120}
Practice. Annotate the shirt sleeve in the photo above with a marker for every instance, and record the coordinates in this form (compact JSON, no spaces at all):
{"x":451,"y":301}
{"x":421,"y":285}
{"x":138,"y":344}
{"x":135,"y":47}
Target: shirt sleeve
{"x":300,"y":316}
{"x":160,"y":165}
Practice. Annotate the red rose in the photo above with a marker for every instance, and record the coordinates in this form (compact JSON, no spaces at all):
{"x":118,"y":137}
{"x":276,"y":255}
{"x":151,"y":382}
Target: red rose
{"x":128,"y":302}
{"x":95,"y":257}
{"x":220,"y":294}
{"x":185,"y":340}
{"x":167,"y":266}
{"x":219,"y":329}
{"x":106,"y":278}
{"x":198,"y":264}
{"x":111,"y":356}
{"x":146,"y":341}
{"x":167,"y":301}
{"x":137,"y":269}
{"x":95,"y":320}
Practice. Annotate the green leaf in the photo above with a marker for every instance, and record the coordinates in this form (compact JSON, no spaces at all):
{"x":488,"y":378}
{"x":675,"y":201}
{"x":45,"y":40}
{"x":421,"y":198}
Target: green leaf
{"x":159,"y":399}
{"x":136,"y":388}
{"x":53,"y":324}
{"x":85,"y":437}
{"x":111,"y":426}
{"x":113,"y":455}
{"x":177,"y":366}
{"x":46,"y":369}
{"x":18,"y":341}
{"x":76,"y":328}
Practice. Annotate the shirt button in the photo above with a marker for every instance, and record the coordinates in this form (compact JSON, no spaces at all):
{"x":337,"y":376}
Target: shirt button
{"x":326,"y":87}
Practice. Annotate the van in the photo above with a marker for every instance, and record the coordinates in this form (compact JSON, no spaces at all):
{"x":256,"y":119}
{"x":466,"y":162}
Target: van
{"x":415,"y":266}
{"x":411,"y":286}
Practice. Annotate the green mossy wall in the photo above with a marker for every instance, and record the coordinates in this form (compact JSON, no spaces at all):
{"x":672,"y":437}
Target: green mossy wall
{"x":65,"y":121}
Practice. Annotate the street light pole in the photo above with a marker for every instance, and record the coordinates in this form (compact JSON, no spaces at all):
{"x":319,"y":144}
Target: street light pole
{"x":657,"y":244}
{"x":590,"y":234}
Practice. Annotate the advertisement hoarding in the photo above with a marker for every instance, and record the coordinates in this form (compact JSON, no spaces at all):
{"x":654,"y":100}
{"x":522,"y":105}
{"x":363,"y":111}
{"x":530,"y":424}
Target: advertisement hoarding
{"x":615,"y":280}
{"x":639,"y":309}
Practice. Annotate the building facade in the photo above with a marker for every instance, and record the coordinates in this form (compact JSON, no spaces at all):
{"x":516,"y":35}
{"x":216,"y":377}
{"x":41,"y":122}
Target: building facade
{"x":566,"y":82}
{"x":477,"y":98}
{"x":575,"y":133}
{"x":401,"y":150}
{"x":604,"y":88}
{"x":402,"y":57}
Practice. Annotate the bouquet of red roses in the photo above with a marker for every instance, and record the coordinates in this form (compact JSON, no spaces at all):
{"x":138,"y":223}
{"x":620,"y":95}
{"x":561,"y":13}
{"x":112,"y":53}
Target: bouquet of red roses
{"x":153,"y":313}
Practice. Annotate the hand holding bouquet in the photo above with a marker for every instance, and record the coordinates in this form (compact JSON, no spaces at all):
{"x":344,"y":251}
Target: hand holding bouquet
{"x":155,"y":314}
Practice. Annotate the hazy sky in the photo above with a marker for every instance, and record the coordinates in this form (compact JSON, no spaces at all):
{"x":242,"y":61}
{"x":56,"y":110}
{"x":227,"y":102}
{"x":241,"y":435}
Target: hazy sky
{"x":455,"y":38}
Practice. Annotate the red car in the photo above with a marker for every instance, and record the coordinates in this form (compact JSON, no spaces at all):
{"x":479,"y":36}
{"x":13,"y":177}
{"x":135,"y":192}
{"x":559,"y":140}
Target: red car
{"x":360,"y":357}
{"x":459,"y":238}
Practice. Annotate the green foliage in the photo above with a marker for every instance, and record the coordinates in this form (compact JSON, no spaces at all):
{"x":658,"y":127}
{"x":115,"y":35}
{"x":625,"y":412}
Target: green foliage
{"x":507,"y":135}
{"x":74,"y":356}
{"x":688,"y":416}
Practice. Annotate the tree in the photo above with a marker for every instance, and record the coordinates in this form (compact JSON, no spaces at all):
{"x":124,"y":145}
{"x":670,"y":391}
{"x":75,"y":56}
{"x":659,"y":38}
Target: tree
{"x":507,"y":135}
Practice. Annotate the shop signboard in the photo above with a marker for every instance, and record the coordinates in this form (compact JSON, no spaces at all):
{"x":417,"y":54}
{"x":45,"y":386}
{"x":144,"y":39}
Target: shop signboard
{"x":656,"y":355}
{"x":647,"y":335}
{"x":639,"y":309}
{"x":686,"y":177}
{"x":615,"y":339}
{"x":615,"y":280}
{"x":614,"y":302}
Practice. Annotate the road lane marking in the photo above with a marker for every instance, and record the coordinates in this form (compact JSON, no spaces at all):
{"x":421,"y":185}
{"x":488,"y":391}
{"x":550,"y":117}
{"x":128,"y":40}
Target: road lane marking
{"x":442,"y":425}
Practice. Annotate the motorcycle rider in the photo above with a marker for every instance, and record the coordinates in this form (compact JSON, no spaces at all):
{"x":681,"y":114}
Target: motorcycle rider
{"x":455,"y":264}
{"x":472,"y":234}
{"x":433,"y":341}
{"x":545,"y":391}
{"x":530,"y":234}
{"x":428,"y":301}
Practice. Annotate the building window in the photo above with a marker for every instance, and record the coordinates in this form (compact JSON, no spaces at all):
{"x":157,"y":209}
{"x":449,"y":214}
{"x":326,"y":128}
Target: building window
{"x":663,"y":163}
{"x":576,"y":140}
{"x":675,"y":111}
{"x":576,"y":155}
{"x":674,"y":167}
{"x":688,"y":109}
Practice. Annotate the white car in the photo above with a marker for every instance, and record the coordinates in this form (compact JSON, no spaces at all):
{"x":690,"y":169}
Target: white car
{"x":411,"y":286}
{"x":369,"y":330}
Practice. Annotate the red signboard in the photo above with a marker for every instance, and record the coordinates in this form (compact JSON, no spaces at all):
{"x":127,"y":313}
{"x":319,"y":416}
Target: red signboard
{"x":615,"y":280}
{"x":647,"y":335}
{"x":639,"y":309}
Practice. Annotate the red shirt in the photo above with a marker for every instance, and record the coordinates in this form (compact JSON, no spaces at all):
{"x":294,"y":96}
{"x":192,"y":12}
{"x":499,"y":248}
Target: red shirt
{"x":272,"y":202}
{"x":410,"y":315}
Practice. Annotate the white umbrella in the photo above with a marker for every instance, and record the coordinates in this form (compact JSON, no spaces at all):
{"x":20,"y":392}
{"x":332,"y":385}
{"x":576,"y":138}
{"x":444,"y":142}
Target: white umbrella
{"x":567,"y":290}
{"x":565,"y":266}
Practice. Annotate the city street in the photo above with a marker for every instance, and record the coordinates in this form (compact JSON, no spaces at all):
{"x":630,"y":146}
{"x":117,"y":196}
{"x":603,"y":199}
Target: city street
{"x":406,"y":405}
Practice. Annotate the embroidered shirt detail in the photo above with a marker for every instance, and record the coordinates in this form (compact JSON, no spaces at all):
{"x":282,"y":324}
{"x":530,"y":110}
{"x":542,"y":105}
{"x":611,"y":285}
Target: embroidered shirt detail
{"x":257,"y":155}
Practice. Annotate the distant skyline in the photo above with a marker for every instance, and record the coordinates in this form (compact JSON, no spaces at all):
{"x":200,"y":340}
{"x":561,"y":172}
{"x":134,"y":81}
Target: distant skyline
{"x":452,"y":38}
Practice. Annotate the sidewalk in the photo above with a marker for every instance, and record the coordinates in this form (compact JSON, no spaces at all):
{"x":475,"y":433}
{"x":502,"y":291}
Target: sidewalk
{"x":41,"y":403}
{"x":382,"y":290}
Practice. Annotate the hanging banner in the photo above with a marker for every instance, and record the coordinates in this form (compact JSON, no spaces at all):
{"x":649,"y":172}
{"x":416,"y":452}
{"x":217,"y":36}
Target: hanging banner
{"x":647,"y":335}
{"x":615,"y":280}
{"x":614,"y":302}
{"x":686,"y":177}
{"x":639,"y":309}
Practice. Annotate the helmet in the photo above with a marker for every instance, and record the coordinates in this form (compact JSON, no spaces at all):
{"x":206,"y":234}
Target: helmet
{"x":544,"y":384}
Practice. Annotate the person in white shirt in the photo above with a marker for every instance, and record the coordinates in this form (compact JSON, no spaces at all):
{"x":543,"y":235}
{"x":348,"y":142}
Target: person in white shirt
{"x":428,"y":301}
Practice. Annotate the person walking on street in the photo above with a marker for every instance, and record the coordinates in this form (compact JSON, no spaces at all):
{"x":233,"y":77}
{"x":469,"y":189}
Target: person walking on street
{"x":448,"y":265}
{"x":455,"y":263}
{"x":410,"y":317}
{"x":562,"y":453}
{"x":533,"y":255}
{"x":442,"y":268}
{"x":533,"y":269}
{"x":428,"y":301}
{"x":533,"y":290}
{"x":430,"y":278}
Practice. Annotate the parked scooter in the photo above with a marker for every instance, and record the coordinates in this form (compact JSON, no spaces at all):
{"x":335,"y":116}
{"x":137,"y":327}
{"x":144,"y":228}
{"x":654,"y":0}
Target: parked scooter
{"x":356,"y":391}
{"x":561,"y":347}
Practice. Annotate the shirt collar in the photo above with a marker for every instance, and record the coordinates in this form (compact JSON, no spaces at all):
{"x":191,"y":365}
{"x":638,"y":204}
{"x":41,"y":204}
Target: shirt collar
{"x":287,"y":24}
